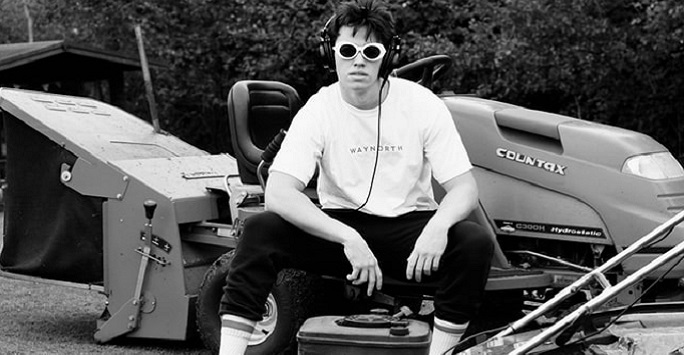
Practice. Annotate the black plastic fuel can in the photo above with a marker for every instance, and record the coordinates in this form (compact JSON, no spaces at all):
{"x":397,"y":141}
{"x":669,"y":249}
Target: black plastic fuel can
{"x":363,"y":334}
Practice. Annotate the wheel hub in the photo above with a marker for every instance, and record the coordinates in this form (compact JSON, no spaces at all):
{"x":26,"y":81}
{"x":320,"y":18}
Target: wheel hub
{"x":267,"y":325}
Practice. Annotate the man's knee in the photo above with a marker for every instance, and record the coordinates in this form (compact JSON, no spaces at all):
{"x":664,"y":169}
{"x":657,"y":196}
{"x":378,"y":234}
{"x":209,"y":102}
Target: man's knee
{"x":473,"y":238}
{"x":262,"y":229}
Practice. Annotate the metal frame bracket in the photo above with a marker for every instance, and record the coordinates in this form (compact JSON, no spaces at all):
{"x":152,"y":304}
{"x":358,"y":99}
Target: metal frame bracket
{"x":94,"y":179}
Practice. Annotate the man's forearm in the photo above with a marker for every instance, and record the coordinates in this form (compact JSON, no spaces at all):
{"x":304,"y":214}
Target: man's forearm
{"x":296,"y":208}
{"x":459,"y":201}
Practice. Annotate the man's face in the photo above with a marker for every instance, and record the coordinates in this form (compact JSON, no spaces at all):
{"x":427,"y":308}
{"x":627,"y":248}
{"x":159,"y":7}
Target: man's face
{"x":357,"y":73}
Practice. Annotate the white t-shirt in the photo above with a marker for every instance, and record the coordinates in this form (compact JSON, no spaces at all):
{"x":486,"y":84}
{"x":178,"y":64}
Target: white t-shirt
{"x":418,"y":140}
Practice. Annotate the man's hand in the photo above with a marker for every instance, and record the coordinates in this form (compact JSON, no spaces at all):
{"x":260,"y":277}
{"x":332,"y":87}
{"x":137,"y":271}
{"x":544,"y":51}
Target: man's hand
{"x":424,"y":258}
{"x":459,"y":201}
{"x":365,"y":267}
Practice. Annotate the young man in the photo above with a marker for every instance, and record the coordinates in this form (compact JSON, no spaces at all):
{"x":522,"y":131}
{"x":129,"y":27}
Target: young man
{"x":377,"y":142}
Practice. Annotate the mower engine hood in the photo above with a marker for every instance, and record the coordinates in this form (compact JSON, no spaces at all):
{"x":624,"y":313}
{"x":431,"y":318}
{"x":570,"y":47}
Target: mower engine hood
{"x":548,"y":176}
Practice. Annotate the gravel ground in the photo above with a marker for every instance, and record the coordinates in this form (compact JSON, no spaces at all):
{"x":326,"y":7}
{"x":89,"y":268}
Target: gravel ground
{"x":39,"y":318}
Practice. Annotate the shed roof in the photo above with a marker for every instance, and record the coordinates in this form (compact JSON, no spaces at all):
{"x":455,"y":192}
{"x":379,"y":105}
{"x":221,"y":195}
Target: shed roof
{"x":48,"y":61}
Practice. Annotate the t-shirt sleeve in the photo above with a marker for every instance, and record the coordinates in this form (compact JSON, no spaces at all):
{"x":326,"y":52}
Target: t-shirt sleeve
{"x":443,"y":146}
{"x":302,"y":148}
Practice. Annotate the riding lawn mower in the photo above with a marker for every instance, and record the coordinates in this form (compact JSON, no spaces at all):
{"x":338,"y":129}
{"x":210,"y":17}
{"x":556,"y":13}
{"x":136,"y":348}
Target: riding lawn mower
{"x":151,"y":221}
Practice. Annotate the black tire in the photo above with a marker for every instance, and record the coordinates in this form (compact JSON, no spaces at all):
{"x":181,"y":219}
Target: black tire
{"x":285,"y":309}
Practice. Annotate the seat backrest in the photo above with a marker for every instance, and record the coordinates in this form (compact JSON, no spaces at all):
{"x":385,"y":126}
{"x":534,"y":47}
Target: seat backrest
{"x":257,"y":110}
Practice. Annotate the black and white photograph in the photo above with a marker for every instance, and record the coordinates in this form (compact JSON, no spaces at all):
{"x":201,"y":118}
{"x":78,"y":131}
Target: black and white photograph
{"x":342,"y":177}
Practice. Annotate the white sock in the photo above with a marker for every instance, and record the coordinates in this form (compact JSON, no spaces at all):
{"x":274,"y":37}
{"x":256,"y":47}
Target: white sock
{"x":445,"y":335}
{"x":235,"y":334}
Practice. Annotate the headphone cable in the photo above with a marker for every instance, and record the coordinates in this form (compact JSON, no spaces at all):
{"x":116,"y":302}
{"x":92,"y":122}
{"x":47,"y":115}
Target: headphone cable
{"x":377,"y":145}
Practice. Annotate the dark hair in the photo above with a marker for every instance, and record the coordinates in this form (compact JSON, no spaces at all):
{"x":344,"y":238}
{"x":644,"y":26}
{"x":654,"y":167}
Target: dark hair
{"x":373,"y":15}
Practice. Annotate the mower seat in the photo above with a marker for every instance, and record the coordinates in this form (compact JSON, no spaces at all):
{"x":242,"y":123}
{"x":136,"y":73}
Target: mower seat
{"x":257,"y":111}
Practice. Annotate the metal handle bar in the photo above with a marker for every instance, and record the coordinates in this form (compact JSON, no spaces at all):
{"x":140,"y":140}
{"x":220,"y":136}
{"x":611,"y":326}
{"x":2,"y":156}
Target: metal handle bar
{"x":601,"y":299}
{"x":595,"y":274}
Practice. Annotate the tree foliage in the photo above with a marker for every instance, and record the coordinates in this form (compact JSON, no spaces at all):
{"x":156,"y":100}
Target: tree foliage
{"x":612,"y":61}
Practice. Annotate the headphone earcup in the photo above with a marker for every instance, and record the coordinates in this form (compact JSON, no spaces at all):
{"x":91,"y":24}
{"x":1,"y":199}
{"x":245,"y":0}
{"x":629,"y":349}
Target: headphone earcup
{"x":395,"y":60}
{"x":325,"y":47}
{"x":321,"y":51}
{"x":391,"y":59}
{"x":326,"y":53}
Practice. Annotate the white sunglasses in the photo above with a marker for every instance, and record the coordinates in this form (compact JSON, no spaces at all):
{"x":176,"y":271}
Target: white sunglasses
{"x":371,"y":51}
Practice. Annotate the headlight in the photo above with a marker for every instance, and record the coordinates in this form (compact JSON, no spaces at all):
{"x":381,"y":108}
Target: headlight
{"x":656,"y":166}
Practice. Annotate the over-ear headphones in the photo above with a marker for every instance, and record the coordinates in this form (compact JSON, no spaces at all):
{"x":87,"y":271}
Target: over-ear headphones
{"x":391,"y":59}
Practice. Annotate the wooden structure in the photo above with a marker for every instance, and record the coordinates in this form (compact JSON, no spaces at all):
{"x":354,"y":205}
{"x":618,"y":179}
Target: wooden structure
{"x":66,"y":68}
